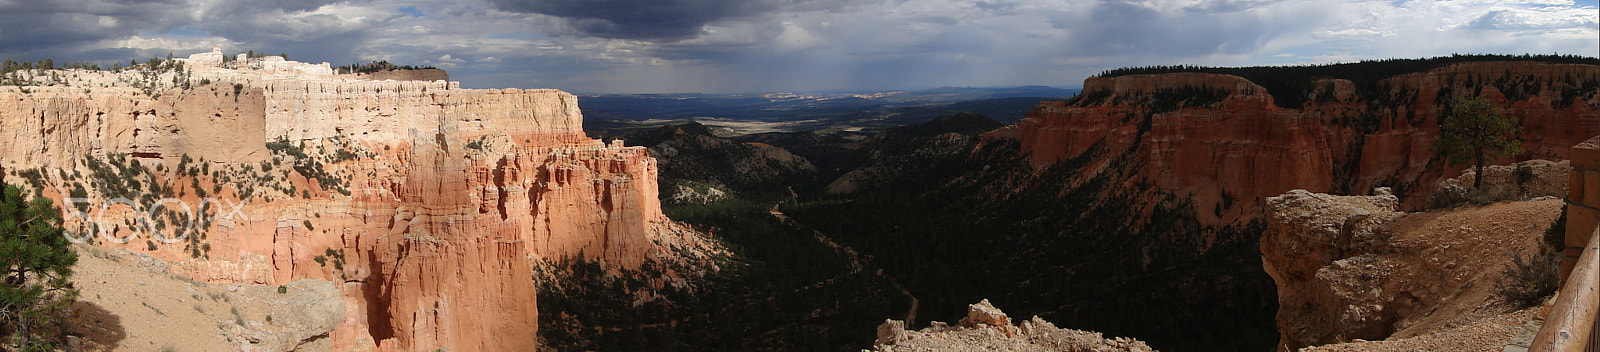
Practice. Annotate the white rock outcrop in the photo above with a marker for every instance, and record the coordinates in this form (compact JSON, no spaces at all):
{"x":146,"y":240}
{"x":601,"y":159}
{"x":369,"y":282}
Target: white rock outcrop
{"x":986,"y":328}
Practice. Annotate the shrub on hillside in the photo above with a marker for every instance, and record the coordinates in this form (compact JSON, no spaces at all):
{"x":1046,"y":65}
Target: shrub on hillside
{"x":1528,"y":282}
{"x":1556,"y":235}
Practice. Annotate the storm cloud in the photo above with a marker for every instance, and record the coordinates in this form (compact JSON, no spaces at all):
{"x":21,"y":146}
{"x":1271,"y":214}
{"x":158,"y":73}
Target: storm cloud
{"x":789,"y":45}
{"x":643,"y":19}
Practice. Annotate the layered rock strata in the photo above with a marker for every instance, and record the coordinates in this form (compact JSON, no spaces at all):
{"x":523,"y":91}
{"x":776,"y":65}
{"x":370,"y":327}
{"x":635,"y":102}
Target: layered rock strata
{"x":1242,"y":147}
{"x":1189,"y":160}
{"x":431,"y":74}
{"x":426,"y":203}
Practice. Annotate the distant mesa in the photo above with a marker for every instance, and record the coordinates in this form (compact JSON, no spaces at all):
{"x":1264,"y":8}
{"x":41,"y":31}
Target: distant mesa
{"x":382,"y":70}
{"x":373,"y":71}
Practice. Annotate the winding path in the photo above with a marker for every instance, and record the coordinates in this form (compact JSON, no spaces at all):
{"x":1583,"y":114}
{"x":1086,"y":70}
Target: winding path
{"x":858,"y":261}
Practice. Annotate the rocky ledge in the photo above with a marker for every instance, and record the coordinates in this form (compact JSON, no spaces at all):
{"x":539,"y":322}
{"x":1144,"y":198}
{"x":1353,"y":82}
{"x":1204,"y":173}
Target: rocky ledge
{"x":1352,"y":268}
{"x":986,"y":328}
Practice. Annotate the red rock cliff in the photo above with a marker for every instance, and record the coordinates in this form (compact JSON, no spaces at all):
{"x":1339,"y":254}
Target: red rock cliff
{"x":427,"y":203}
{"x":1216,"y":146}
{"x":1228,"y":154}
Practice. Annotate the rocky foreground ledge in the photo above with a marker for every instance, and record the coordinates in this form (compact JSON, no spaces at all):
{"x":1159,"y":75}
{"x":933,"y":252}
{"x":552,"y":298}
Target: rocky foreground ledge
{"x":1353,"y":271}
{"x":986,"y":328}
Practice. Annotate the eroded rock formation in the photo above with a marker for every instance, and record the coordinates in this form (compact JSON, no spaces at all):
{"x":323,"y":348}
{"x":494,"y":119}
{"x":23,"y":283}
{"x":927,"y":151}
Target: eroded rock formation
{"x":1316,"y":248}
{"x":1352,"y":267}
{"x":427,"y":204}
{"x":986,"y":328}
{"x":1222,"y":141}
{"x":1189,"y":159}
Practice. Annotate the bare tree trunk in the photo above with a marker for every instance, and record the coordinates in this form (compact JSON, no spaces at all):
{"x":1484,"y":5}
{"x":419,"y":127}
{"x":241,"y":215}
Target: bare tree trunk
{"x":1477,"y":179}
{"x":1477,"y":155}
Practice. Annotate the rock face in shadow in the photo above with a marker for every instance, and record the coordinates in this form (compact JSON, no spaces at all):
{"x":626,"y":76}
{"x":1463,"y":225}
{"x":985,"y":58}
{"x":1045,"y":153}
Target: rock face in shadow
{"x":699,"y":167}
{"x":429,"y":74}
{"x":1137,"y":208}
{"x":910,"y":151}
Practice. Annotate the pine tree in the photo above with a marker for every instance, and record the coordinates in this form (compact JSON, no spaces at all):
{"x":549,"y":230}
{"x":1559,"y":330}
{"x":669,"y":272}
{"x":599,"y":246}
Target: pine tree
{"x":37,"y":262}
{"x":1476,"y":132}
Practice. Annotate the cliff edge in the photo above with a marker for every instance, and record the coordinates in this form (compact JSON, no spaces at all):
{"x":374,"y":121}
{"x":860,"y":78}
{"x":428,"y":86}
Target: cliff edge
{"x":1353,"y":268}
{"x":986,"y":328}
{"x":426,"y":204}
{"x":1224,"y":142}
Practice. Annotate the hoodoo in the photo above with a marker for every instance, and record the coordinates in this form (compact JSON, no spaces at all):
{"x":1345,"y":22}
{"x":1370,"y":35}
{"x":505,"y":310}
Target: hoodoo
{"x":425,"y":202}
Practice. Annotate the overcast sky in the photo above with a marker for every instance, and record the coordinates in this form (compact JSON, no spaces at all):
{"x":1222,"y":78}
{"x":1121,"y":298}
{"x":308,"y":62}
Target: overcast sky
{"x":636,"y":46}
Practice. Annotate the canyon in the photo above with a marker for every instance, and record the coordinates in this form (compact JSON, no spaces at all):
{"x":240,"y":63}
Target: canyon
{"x":1142,"y":207}
{"x":1220,"y":145}
{"x":1185,"y":160}
{"x":426,"y":204}
{"x":1230,"y":152}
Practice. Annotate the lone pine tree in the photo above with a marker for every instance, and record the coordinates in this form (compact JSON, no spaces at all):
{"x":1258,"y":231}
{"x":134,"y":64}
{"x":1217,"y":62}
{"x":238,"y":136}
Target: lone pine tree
{"x":37,"y":262}
{"x":1475,"y":133}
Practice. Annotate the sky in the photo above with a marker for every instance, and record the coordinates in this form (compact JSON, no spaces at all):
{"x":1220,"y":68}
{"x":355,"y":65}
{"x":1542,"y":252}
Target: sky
{"x":725,"y":46}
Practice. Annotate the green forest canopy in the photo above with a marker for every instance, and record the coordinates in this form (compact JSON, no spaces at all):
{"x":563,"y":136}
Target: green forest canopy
{"x":1287,"y":84}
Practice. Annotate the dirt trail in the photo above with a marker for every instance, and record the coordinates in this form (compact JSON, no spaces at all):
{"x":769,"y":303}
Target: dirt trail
{"x":858,"y":261}
{"x":1456,"y":258}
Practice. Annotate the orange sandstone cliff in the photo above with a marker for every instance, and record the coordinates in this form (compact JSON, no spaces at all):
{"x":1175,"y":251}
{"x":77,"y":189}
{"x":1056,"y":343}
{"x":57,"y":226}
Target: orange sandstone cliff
{"x":1189,"y":160}
{"x":1231,"y":151}
{"x":426,"y":203}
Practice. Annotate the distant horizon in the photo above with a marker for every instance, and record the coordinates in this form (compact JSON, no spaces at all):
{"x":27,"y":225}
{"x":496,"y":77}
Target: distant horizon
{"x":725,"y":46}
{"x":467,"y":84}
{"x":1076,"y":87}
{"x":836,"y":91}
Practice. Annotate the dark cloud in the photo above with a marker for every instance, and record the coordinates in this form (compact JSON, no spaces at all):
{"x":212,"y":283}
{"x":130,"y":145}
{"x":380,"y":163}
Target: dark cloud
{"x":75,"y":29}
{"x":1006,"y":7}
{"x":939,"y":20}
{"x":266,"y":26}
{"x":768,"y":45}
{"x":269,"y":5}
{"x":1129,"y":28}
{"x":247,"y":20}
{"x":662,"y":20}
{"x":1218,"y":6}
{"x":31,"y":28}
